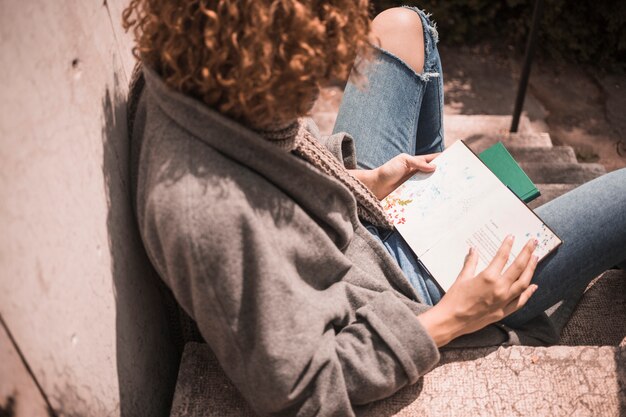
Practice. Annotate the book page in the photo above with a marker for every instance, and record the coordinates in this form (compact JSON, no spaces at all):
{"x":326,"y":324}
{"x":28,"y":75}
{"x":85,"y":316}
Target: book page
{"x":462,"y":204}
{"x":429,"y":204}
{"x":494,"y":218}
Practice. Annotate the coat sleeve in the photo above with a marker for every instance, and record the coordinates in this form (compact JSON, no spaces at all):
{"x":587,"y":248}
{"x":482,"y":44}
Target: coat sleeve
{"x":289,"y":340}
{"x":340,"y":144}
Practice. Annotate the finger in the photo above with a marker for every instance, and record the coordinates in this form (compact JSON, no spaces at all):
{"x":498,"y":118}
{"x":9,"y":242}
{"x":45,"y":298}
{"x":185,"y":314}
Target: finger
{"x":524,"y":279}
{"x":469,"y":265}
{"x":520,"y":301}
{"x":519,"y":264}
{"x":419,"y":163}
{"x":426,"y":166}
{"x":502,"y":256}
{"x":431,"y":156}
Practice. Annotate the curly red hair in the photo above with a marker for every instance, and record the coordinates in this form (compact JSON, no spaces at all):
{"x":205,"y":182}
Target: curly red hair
{"x":260,"y":62}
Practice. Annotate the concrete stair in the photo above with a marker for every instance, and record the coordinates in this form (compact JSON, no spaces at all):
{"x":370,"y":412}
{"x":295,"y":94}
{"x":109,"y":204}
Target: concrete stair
{"x":460,"y":126}
{"x":479,"y":142}
{"x":555,"y":154}
{"x":561,"y":173}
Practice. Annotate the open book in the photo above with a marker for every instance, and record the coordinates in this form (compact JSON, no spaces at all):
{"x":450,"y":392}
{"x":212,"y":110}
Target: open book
{"x":462,"y":204}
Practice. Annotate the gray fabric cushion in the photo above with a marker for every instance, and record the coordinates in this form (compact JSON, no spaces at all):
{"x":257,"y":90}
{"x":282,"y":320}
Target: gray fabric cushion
{"x":600,"y":318}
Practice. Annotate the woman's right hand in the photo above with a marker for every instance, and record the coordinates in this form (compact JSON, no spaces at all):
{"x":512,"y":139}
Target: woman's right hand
{"x":475,"y":301}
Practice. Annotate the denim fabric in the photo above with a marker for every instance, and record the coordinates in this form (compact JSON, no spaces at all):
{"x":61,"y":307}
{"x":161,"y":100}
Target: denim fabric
{"x":419,"y":278}
{"x":401,"y":111}
{"x":398,"y":111}
{"x":591,"y":221}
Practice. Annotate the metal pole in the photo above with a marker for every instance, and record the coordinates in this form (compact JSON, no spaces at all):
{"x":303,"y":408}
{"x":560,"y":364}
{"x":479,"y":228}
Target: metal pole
{"x":528,"y":60}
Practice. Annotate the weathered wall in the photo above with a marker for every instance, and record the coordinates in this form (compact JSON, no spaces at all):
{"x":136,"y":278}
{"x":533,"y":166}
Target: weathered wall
{"x":19,"y":395}
{"x":76,"y":291}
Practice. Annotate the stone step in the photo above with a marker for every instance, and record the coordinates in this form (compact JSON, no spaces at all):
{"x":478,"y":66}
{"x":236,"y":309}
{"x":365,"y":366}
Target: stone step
{"x":324,"y":112}
{"x":479,"y":143}
{"x":461,"y":126}
{"x":562,"y":173}
{"x":456,"y":126}
{"x":556,"y":154}
{"x":325,"y":121}
{"x":550,"y":192}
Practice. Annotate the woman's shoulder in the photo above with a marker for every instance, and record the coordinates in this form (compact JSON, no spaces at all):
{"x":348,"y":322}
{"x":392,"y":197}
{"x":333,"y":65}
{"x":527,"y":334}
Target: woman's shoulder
{"x":198,"y":170}
{"x":186,"y":181}
{"x":194,"y":203}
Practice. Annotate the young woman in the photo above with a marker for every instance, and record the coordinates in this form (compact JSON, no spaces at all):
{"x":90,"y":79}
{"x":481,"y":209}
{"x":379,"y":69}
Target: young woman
{"x":272,"y":238}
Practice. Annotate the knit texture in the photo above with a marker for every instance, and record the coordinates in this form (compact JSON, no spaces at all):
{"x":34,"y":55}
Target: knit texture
{"x":294,"y":137}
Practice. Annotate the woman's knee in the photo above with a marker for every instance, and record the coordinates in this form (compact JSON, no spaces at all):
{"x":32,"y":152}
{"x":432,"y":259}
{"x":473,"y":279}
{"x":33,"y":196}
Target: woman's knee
{"x":614,"y":183}
{"x":399,"y":30}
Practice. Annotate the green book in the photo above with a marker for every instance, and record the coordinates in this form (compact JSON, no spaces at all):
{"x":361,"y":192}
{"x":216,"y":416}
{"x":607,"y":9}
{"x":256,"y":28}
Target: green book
{"x":502,"y":164}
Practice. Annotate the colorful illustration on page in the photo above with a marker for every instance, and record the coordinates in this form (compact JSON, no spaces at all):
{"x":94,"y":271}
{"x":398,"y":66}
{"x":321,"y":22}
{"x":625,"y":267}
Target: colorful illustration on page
{"x":547,"y":241}
{"x":395,"y":205}
{"x":424,"y":194}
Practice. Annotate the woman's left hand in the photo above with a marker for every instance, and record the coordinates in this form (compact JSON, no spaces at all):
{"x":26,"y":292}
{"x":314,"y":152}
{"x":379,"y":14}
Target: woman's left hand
{"x":383,"y":180}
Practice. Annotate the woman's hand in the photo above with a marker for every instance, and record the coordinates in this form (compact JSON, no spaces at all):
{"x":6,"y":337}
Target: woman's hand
{"x":475,"y":301}
{"x":389,"y":176}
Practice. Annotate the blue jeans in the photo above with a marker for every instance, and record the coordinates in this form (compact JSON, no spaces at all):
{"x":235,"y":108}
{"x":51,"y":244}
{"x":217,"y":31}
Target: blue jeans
{"x":401,"y":111}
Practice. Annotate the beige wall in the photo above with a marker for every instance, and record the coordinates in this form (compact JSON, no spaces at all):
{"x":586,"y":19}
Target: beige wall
{"x":75,"y":288}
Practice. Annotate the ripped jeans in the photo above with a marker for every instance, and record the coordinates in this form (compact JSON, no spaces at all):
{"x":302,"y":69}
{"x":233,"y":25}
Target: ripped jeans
{"x":401,"y":111}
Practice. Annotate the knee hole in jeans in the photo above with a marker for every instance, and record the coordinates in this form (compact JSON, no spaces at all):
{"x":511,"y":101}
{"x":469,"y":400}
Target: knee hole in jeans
{"x":400,"y":32}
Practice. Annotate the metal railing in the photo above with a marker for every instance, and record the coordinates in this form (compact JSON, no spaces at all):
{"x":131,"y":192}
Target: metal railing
{"x":528,"y":61}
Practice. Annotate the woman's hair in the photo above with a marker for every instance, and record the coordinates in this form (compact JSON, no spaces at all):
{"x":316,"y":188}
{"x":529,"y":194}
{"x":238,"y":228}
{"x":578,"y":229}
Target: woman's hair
{"x":260,"y":62}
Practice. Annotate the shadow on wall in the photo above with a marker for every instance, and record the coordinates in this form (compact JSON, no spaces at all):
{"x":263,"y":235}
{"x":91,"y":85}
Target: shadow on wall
{"x":620,"y":363}
{"x":7,"y":408}
{"x":147,"y":357}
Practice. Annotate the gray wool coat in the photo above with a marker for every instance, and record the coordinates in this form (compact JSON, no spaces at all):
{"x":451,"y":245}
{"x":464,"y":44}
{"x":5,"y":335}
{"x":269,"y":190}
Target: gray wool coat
{"x":305,"y":311}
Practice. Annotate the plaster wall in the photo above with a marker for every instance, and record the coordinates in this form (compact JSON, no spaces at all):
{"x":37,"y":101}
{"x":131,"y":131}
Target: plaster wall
{"x":76,"y":290}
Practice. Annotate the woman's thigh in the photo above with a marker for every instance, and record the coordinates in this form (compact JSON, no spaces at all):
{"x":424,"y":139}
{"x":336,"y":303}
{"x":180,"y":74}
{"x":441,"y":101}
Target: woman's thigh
{"x":591,"y":221}
{"x":396,"y":110}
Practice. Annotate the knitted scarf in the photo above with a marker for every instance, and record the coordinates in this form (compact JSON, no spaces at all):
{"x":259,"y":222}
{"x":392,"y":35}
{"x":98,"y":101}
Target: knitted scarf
{"x":296,"y":139}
